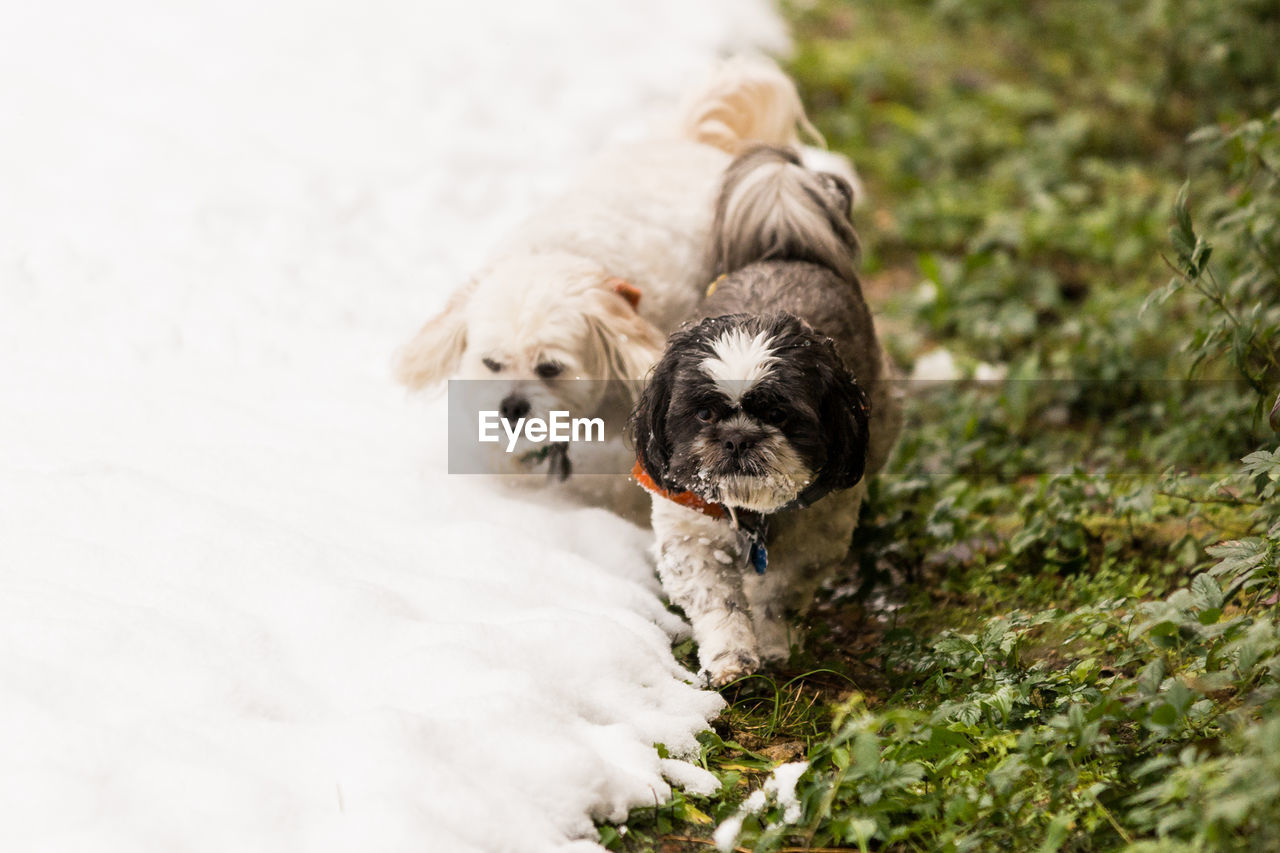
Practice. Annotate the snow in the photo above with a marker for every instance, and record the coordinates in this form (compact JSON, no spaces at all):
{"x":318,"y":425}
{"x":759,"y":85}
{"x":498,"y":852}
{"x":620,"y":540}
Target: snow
{"x":690,"y":777}
{"x":780,"y":787}
{"x":726,"y":834}
{"x":782,"y":784}
{"x":937,"y":365}
{"x":242,"y":607}
{"x":940,"y":365}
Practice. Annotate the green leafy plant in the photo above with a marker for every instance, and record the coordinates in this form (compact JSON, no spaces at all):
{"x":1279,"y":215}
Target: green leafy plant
{"x":1240,"y":289}
{"x":1059,"y":625}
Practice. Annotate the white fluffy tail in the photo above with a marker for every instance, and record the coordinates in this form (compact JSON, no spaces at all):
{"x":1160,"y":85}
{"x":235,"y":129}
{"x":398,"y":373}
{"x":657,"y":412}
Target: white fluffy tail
{"x":773,"y":208}
{"x":746,"y":101}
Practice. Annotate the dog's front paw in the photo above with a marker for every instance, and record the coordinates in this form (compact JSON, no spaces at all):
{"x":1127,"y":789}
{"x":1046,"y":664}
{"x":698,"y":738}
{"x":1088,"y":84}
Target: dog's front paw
{"x":730,"y":665}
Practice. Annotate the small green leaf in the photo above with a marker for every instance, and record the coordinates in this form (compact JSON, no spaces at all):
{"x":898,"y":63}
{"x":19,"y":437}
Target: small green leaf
{"x":688,"y":812}
{"x":1164,"y":714}
{"x":860,"y":831}
{"x":1056,"y":834}
{"x":609,"y":836}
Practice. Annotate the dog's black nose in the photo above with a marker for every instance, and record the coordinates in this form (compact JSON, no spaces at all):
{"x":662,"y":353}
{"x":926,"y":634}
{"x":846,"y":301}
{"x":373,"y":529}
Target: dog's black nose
{"x":736,"y":443}
{"x":513,"y":407}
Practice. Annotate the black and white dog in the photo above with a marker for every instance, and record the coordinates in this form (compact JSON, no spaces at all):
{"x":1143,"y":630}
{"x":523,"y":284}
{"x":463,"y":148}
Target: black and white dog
{"x":761,"y":419}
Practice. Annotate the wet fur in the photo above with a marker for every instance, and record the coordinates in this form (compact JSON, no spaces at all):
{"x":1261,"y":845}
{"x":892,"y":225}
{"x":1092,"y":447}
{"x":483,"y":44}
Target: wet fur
{"x":789,"y":276}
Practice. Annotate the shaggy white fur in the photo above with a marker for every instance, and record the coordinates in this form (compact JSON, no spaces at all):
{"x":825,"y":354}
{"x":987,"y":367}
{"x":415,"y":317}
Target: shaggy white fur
{"x":740,"y":360}
{"x":641,"y":215}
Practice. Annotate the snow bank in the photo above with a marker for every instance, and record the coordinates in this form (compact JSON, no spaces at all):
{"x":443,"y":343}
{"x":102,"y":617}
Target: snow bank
{"x":241,"y":605}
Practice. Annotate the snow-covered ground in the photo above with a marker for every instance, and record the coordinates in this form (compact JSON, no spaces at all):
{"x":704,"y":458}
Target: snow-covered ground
{"x":242,"y":607}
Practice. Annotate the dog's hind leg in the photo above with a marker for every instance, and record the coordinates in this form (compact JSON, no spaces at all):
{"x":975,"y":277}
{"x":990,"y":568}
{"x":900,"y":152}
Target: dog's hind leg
{"x":767,"y":595}
{"x":808,"y":545}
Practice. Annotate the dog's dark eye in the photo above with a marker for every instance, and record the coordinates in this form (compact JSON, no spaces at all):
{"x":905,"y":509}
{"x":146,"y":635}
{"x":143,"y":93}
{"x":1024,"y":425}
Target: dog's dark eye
{"x":491,"y":364}
{"x":775,"y":416}
{"x":549,"y":369}
{"x":705,"y":415}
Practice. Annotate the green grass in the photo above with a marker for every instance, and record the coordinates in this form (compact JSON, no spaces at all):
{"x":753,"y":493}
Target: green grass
{"x":1058,"y":629}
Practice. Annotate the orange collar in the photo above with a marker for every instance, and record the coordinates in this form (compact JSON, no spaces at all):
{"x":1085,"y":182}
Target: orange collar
{"x":756,"y":531}
{"x":685,"y":499}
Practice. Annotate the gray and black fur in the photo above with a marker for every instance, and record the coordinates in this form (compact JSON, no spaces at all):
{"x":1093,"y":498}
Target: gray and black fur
{"x":761,"y":216}
{"x":809,"y":398}
{"x":791,"y":438}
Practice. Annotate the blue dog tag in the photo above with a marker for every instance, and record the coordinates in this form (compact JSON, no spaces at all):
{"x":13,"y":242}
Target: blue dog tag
{"x":759,"y":556}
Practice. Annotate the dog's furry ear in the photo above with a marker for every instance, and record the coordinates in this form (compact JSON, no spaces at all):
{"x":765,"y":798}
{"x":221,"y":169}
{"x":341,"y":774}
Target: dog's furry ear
{"x":434,"y":352}
{"x":626,"y":344}
{"x":845,"y":417}
{"x":647,"y":428}
{"x":626,"y":290}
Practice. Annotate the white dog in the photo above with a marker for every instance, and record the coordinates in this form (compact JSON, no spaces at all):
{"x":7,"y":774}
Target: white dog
{"x":589,"y":287}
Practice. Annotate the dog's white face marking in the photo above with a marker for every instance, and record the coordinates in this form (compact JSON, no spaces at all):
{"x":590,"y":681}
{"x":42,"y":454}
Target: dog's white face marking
{"x":739,"y":361}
